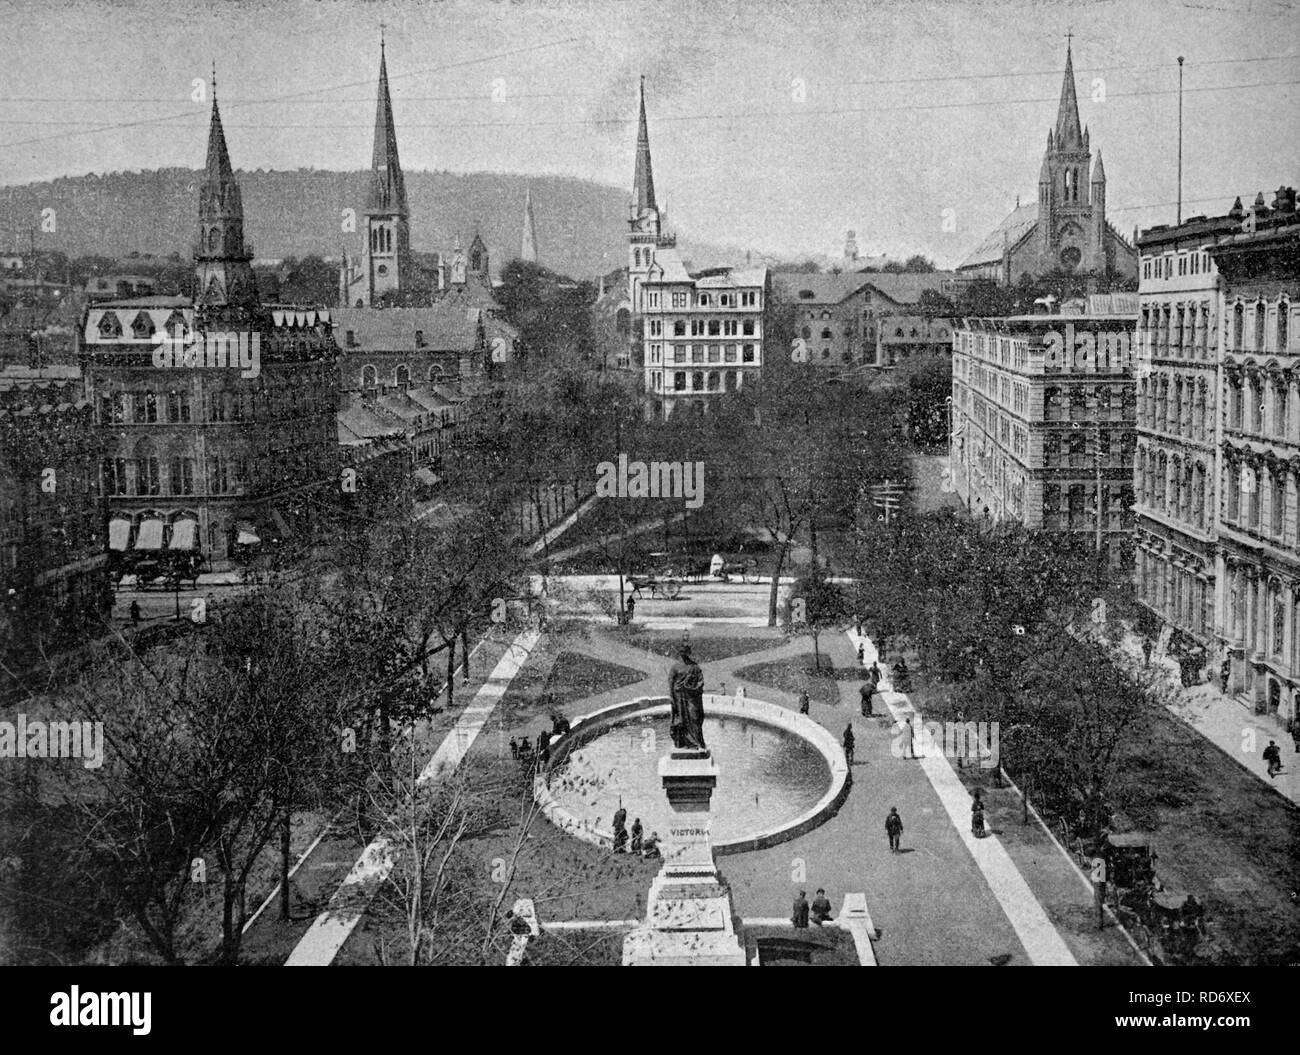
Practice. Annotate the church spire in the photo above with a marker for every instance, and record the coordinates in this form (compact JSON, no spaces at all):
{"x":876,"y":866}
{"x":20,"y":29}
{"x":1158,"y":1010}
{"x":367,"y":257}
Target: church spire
{"x":1068,"y":134}
{"x":528,"y":251}
{"x":221,"y":256}
{"x":387,"y":187}
{"x":643,"y":183}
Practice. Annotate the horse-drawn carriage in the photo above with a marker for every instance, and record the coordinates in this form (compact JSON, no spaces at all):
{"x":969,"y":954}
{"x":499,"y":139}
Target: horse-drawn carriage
{"x":1168,"y":922}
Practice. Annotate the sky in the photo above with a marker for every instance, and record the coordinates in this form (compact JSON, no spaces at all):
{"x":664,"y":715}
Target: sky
{"x":775,"y":126}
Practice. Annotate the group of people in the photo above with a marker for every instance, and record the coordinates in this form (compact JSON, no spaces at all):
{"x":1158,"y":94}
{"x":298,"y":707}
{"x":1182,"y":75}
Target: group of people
{"x":636,"y":843}
{"x":523,"y":751}
{"x":819,"y":912}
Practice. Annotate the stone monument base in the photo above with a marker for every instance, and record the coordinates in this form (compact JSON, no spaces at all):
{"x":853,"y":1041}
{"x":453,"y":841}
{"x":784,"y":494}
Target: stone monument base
{"x":688,"y":910}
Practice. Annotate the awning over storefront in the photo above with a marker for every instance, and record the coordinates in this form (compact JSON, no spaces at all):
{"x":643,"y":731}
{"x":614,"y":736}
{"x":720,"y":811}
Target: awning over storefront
{"x":119,"y":535}
{"x":246,"y":534}
{"x":184,"y":534}
{"x":150,"y":535}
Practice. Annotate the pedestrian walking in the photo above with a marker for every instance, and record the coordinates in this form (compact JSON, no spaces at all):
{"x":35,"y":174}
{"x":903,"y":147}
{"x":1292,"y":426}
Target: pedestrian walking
{"x":630,"y":608}
{"x":902,"y":677}
{"x":803,"y":703}
{"x":848,"y":744}
{"x":620,"y":831}
{"x":867,"y":691}
{"x":894,"y":829}
{"x":740,"y":694}
{"x":908,"y":747}
{"x":862,"y":654}
{"x":875,"y":672}
{"x":1273,"y":756}
{"x":799,"y":915}
{"x":977,"y":816}
{"x":514,"y":749}
{"x":821,"y":908}
{"x":135,"y":613}
{"x":638,"y":836}
{"x":1225,"y":672}
{"x":543,"y":747}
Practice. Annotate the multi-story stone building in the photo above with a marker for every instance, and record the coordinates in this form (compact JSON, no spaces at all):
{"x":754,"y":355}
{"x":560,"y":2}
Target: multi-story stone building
{"x":1176,"y":475}
{"x":1258,"y":544}
{"x":53,"y":580}
{"x":867,"y":319}
{"x":218,"y":418}
{"x":1043,"y":416}
{"x":1218,"y":469}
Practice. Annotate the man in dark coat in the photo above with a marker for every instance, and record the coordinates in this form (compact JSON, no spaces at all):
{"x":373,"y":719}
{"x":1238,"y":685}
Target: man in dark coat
{"x":800,"y":915}
{"x":821,"y":908}
{"x":620,"y":831}
{"x":849,"y":743}
{"x":803,"y":703}
{"x":867,"y":691}
{"x":893,"y":828}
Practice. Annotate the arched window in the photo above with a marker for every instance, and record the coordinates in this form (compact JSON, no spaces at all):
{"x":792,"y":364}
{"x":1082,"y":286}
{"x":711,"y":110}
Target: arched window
{"x":369,"y":376}
{"x":181,"y":474}
{"x":1261,"y":312}
{"x":1278,"y":610}
{"x":1283,"y":310}
{"x":1238,"y":326}
{"x":146,"y":468}
{"x":1277,"y":502}
{"x":402,"y":376}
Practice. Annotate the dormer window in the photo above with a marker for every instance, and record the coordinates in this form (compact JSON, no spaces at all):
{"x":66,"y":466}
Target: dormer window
{"x":142,"y":327}
{"x":419,"y":338}
{"x":175,"y":326}
{"x":110,"y":325}
{"x":705,"y":300}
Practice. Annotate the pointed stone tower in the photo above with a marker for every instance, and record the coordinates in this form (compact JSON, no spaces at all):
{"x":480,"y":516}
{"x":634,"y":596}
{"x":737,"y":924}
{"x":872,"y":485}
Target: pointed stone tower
{"x":528,"y":250}
{"x":1070,"y":237}
{"x":386,"y":264}
{"x":644,"y":218}
{"x":226,"y":292}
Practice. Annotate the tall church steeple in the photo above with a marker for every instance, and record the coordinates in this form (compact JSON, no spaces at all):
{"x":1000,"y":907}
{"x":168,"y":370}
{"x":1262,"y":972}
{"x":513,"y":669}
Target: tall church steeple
{"x":645,"y":219}
{"x":528,"y":250}
{"x":388,"y":235}
{"x":1068,"y":129}
{"x":643,"y":182}
{"x":222,"y":260}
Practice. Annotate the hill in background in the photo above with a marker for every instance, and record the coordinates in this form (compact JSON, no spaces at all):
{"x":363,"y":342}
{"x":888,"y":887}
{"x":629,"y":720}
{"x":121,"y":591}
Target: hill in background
{"x":581,"y":225}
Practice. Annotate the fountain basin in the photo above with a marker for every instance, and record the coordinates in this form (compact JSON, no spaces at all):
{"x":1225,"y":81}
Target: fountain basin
{"x":780,"y":773}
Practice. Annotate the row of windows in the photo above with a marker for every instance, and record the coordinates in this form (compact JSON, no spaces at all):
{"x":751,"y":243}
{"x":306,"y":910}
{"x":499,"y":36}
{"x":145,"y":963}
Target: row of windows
{"x":701,"y":353}
{"x":682,"y":299}
{"x":148,"y":474}
{"x":1178,"y":330}
{"x":703,"y":327}
{"x":148,"y":407}
{"x":1184,"y":598}
{"x":401,"y":376}
{"x":1179,"y":406}
{"x":1197,"y":262}
{"x":700,"y":380}
{"x":1173,"y":486}
{"x":1259,"y":312}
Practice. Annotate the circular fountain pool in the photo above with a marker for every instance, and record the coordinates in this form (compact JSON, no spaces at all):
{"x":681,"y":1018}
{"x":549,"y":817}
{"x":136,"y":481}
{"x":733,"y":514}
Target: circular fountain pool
{"x":778,"y":773}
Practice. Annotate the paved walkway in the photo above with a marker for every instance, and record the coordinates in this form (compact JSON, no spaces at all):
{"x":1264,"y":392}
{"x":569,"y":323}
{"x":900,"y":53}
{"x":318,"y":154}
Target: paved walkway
{"x":335,"y":925}
{"x":1228,"y":724}
{"x":1035,"y":931}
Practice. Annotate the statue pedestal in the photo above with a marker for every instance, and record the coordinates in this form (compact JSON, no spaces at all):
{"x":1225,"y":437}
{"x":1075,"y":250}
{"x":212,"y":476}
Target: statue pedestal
{"x":688,"y":915}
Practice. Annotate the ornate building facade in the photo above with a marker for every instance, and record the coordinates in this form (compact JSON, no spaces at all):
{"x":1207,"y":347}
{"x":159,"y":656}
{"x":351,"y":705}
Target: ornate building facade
{"x":217,"y":416}
{"x":1218,"y":476}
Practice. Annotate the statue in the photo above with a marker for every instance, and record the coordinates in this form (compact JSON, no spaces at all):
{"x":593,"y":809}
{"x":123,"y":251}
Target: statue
{"x":686,"y":690}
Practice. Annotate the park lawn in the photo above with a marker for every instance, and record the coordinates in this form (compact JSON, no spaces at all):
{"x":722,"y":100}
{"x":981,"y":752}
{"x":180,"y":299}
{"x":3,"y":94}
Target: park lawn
{"x":794,"y":674}
{"x":1219,"y":831}
{"x":706,"y":648}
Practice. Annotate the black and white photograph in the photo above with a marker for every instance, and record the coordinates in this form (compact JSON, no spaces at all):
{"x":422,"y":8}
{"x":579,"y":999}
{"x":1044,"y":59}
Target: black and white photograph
{"x":651,"y":483}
